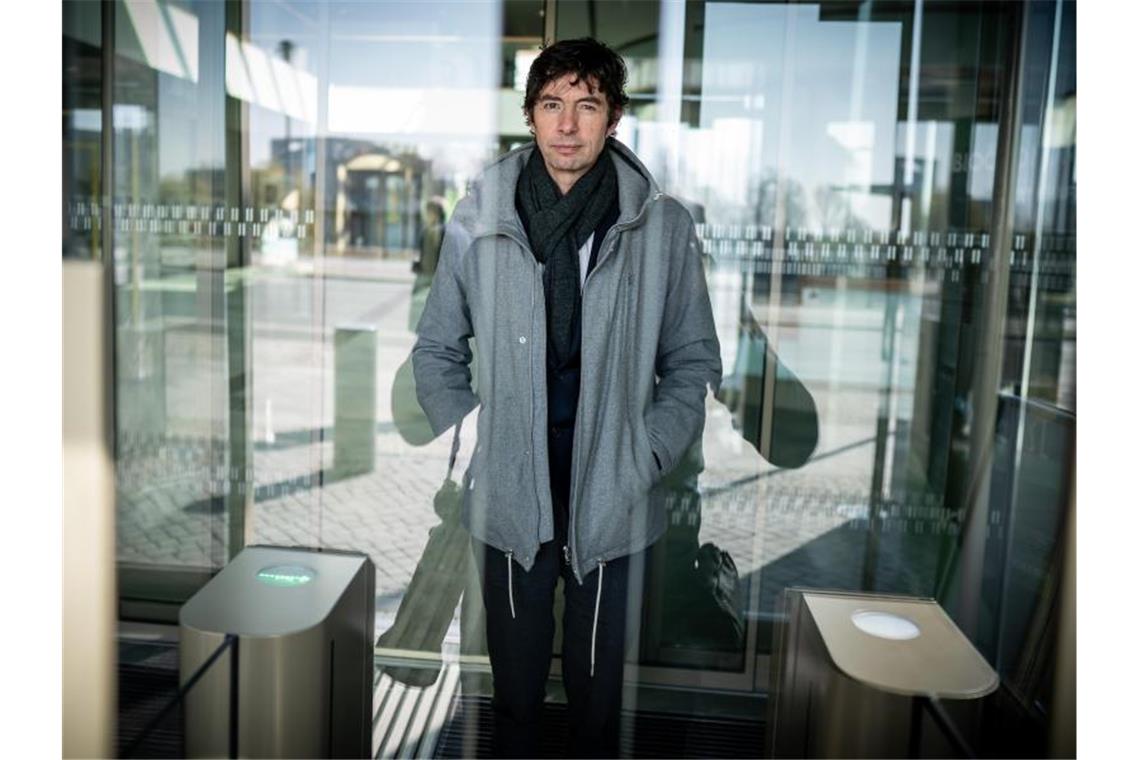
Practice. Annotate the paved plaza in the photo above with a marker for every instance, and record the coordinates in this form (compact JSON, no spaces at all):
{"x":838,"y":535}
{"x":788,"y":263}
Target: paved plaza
{"x":170,"y":512}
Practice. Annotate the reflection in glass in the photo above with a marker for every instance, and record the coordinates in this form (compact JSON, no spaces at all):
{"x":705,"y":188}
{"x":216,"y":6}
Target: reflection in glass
{"x":82,"y":129}
{"x":172,"y":350}
{"x":886,"y":199}
{"x":851,"y":174}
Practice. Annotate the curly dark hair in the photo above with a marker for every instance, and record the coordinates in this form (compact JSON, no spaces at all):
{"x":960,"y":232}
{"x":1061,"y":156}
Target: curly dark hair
{"x":585,"y":58}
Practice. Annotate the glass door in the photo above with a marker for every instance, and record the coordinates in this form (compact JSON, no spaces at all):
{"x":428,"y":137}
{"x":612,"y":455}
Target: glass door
{"x":283,"y":171}
{"x":181,"y":385}
{"x":884,"y":192}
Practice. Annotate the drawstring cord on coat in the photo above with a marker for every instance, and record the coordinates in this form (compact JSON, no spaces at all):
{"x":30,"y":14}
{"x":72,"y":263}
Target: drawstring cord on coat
{"x":510,"y":584}
{"x":597,"y":607}
{"x":597,"y":604}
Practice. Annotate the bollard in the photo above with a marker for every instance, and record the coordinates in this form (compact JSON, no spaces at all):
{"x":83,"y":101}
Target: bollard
{"x":354,"y":432}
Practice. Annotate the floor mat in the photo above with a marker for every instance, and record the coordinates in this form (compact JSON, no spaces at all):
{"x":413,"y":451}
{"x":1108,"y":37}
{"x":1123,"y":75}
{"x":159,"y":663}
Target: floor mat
{"x":148,"y":680}
{"x":468,"y":734}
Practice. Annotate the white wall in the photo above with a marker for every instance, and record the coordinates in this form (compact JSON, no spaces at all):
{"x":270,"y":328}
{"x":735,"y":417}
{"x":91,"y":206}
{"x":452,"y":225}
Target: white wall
{"x":89,"y":662}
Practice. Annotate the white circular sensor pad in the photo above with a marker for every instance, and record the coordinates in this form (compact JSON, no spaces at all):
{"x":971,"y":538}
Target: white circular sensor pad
{"x":884,"y":625}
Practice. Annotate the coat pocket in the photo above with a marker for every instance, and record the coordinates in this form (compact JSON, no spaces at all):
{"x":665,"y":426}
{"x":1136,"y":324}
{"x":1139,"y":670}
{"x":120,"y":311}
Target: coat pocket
{"x":646,"y":463}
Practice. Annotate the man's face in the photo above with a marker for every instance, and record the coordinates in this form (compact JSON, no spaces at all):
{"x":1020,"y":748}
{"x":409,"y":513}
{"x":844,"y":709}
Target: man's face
{"x":571,"y":124}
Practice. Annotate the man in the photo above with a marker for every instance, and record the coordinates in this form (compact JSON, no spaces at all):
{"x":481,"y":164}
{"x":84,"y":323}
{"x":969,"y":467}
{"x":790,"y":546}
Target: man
{"x":583,"y":288}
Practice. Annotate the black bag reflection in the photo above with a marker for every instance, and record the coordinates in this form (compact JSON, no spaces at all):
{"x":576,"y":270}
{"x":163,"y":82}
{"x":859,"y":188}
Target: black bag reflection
{"x":702,"y":606}
{"x":695,"y":600}
{"x":430,"y":241}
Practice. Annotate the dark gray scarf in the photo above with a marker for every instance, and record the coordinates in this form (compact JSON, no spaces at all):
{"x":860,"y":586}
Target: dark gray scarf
{"x":557,"y":226}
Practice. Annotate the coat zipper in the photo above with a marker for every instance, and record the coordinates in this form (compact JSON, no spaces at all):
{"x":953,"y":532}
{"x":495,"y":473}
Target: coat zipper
{"x":570,"y":550}
{"x":572,"y":537}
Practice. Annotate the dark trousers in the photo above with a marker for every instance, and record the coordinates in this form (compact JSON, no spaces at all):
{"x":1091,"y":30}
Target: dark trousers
{"x":520,"y":647}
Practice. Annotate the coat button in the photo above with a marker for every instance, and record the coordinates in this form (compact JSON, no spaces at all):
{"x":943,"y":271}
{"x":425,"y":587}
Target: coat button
{"x":522,"y":339}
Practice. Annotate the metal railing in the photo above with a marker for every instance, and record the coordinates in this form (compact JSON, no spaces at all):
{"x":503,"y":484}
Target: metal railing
{"x":230,"y":643}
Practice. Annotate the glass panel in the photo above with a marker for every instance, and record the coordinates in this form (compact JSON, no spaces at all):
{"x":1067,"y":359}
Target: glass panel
{"x":879,"y":243}
{"x":273,"y":67}
{"x":885,"y":194}
{"x":82,"y":129}
{"x":1035,"y":438}
{"x":389,"y":109}
{"x":282,"y":174}
{"x":177,"y":301}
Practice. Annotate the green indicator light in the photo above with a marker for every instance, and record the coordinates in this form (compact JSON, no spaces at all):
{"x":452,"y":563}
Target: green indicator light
{"x":286,"y":575}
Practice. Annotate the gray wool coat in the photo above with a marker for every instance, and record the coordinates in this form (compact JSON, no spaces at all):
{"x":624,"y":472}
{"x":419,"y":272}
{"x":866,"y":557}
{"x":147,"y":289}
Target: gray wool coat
{"x":649,"y":355}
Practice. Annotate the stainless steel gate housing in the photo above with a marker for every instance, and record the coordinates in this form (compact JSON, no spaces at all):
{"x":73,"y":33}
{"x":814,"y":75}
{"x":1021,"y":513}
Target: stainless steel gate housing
{"x":304,"y":622}
{"x":850,"y":671}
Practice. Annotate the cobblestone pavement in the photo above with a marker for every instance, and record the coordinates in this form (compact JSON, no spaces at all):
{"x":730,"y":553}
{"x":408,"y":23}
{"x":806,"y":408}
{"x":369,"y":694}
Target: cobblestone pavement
{"x":173,"y":476}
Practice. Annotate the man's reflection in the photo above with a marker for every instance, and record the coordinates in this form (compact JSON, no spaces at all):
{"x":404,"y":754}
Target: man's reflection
{"x":431,"y":238}
{"x":427,"y":257}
